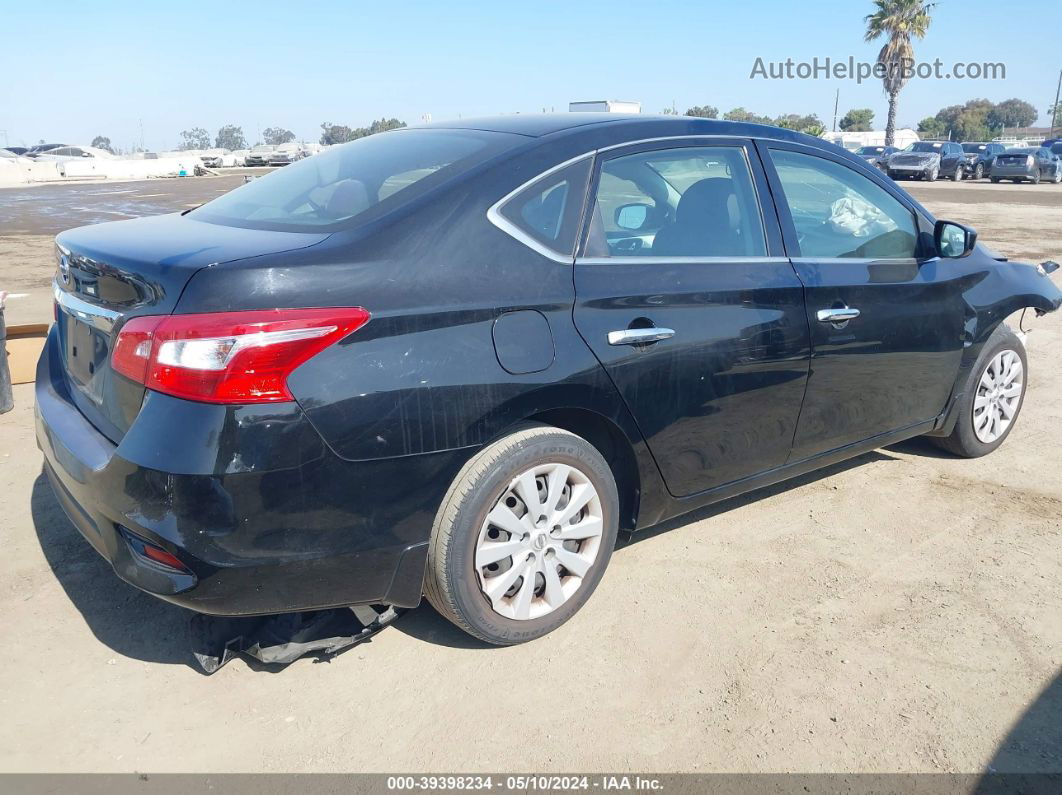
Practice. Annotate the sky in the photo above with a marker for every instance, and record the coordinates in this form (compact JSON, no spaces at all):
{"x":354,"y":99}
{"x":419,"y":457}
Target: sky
{"x":112,"y":67}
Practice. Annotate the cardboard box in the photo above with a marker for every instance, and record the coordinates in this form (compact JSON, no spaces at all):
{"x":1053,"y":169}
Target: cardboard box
{"x":24,"y":346}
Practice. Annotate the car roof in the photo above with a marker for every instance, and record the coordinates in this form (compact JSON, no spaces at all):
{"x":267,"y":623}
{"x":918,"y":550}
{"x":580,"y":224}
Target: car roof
{"x":536,"y":125}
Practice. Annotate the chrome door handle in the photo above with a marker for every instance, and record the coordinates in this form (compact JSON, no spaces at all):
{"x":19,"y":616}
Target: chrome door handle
{"x":840,"y":315}
{"x":639,"y":336}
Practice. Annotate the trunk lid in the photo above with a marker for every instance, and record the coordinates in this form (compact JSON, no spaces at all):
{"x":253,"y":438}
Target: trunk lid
{"x":111,"y":272}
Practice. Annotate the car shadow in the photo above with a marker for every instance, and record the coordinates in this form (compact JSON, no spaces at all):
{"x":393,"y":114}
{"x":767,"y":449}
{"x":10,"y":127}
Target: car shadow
{"x":130,"y":622}
{"x":1031,"y":749}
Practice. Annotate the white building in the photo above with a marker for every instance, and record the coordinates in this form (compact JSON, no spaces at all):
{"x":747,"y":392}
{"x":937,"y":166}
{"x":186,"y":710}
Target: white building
{"x":853,"y":140}
{"x":605,"y":106}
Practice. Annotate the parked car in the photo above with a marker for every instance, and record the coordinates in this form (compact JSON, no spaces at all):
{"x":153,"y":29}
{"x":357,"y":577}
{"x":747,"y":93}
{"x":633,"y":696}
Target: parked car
{"x":40,"y":149}
{"x":16,"y":150}
{"x":928,"y":160}
{"x":259,"y":155}
{"x":877,"y":156}
{"x":285,"y":154}
{"x":214,"y":158}
{"x":63,"y":153}
{"x":978,"y":157}
{"x":456,"y":360}
{"x":1031,"y":164}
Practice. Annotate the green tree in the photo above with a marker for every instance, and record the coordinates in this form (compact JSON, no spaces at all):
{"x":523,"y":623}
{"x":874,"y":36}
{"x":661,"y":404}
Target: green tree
{"x":898,"y":21}
{"x":102,"y":142}
{"x":340,"y":133}
{"x":805,"y":124}
{"x":740,"y":114}
{"x":967,"y":122}
{"x":195,"y":138}
{"x":230,"y":137}
{"x":669,"y":112}
{"x":932,"y":127}
{"x":277,"y":135}
{"x":335,"y":133}
{"x":858,"y":120}
{"x":1012,"y":113}
{"x":703,"y":112}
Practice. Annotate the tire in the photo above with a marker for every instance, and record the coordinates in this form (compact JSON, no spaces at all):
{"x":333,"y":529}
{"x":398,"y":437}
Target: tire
{"x":1035,"y":178}
{"x":932,"y":174}
{"x":455,"y":585}
{"x":957,"y":176}
{"x":995,"y":180}
{"x":965,"y":440}
{"x":1058,"y":177}
{"x":979,"y":171}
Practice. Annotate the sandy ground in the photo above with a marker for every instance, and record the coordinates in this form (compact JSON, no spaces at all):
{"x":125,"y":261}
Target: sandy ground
{"x":898,"y":612}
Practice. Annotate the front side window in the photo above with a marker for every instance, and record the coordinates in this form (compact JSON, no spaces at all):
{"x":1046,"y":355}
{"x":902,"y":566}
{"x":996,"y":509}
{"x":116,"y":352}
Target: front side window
{"x":358,"y":180}
{"x":683,"y":202}
{"x":838,"y":212}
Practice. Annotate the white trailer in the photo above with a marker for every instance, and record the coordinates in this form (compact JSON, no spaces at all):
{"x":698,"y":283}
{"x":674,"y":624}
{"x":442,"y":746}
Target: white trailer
{"x":605,"y":106}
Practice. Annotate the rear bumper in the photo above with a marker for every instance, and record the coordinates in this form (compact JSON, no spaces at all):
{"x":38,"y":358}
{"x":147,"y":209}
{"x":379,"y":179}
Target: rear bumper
{"x":265,"y":517}
{"x":1008,"y":172}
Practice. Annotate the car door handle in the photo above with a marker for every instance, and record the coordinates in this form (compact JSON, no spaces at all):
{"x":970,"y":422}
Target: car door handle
{"x":839,"y":315}
{"x":639,"y":336}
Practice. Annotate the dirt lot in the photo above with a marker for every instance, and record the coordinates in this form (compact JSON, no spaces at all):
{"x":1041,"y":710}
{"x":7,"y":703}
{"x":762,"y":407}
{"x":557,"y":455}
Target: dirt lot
{"x":898,"y":612}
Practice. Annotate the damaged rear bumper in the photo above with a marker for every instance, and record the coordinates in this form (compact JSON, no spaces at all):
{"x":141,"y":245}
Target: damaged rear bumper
{"x":313,"y":532}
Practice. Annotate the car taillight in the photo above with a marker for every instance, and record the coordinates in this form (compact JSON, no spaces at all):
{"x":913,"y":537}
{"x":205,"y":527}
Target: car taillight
{"x":228,"y":357}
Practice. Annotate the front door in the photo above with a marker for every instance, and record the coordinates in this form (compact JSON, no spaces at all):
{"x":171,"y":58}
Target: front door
{"x":886,"y":320}
{"x":684,"y":296}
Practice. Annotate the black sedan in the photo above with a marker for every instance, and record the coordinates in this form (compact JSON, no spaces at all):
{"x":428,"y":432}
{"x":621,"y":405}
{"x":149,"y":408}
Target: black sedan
{"x":456,"y":360}
{"x":877,"y":156}
{"x":1028,"y":164}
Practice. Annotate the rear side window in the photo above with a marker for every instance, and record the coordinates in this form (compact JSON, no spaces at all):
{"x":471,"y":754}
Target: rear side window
{"x":355,"y":181}
{"x":681,"y":202}
{"x":838,"y":212}
{"x":548,"y":210}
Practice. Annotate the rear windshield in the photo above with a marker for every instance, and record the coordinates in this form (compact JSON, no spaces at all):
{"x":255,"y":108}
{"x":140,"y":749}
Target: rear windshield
{"x":357,"y":180}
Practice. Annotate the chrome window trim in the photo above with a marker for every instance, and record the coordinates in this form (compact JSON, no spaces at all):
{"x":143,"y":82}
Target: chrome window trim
{"x":96,"y":316}
{"x":858,"y":261}
{"x":667,"y":260}
{"x":495,"y":216}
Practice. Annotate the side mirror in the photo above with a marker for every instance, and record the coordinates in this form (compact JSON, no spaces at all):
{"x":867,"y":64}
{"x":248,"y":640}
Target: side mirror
{"x":954,"y":240}
{"x":632,"y":217}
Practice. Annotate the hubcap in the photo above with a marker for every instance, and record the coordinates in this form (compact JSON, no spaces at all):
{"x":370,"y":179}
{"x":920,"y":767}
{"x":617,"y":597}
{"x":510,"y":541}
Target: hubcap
{"x":539,"y":541}
{"x":998,"y":395}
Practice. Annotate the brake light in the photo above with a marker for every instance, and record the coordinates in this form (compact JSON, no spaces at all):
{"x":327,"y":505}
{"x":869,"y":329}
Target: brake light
{"x":228,"y":357}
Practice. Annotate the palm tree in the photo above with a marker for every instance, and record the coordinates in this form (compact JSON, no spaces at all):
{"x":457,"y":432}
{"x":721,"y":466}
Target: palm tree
{"x":899,"y":21}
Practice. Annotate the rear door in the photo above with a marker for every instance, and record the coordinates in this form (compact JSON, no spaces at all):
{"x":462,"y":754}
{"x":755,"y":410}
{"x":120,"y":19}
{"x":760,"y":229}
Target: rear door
{"x":684,"y":296}
{"x":886,"y":319}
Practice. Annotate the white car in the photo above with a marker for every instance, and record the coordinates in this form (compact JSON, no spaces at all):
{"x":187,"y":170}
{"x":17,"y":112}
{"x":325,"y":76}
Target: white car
{"x":287,"y":153}
{"x":64,"y":153}
{"x":259,"y":155}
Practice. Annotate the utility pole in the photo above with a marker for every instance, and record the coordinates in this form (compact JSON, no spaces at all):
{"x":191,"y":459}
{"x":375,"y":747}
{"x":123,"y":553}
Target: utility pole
{"x":836,"y":105}
{"x":1057,"y":110}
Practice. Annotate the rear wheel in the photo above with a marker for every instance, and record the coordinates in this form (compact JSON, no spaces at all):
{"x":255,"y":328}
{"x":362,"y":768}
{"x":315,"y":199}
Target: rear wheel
{"x":993,"y":398}
{"x":523,"y":536}
{"x":1058,"y":177}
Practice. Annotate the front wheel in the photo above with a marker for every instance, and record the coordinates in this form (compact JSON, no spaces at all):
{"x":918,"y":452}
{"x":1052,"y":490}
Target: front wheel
{"x":932,"y":174}
{"x":1035,"y":178}
{"x":523,"y":535}
{"x":957,"y":176}
{"x":979,"y":171}
{"x":993,"y":398}
{"x":995,"y":180}
{"x":1058,"y":177}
